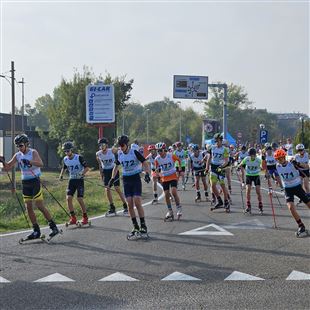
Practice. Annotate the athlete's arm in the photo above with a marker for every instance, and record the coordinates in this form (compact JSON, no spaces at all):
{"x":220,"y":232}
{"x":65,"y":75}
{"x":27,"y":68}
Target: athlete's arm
{"x":10,"y":164}
{"x":84,"y":164}
{"x":36,"y":161}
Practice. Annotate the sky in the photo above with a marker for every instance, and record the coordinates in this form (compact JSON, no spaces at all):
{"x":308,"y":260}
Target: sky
{"x":262,"y":46}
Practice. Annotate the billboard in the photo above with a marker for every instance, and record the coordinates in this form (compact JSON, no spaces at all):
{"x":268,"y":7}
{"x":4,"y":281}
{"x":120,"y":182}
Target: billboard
{"x":190,"y":87}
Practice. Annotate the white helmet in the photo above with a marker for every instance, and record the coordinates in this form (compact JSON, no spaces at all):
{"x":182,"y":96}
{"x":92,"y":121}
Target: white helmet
{"x":300,"y":147}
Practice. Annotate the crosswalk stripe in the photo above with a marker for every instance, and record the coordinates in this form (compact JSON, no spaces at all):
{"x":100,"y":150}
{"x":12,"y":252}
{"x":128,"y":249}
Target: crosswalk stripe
{"x":178,"y":276}
{"x":297,"y":275}
{"x":118,"y":276}
{"x":240,"y":276}
{"x":55,"y":277}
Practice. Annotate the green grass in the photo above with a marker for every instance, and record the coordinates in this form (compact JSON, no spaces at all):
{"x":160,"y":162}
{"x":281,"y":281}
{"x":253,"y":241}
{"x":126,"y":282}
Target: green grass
{"x":12,"y":218}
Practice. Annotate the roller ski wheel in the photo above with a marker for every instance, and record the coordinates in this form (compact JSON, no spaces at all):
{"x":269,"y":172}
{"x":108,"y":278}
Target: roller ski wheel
{"x":143,"y":233}
{"x":197,"y":199}
{"x":81,"y":224}
{"x":261,"y":212}
{"x":247,"y":211}
{"x":219,"y":205}
{"x":68,"y":224}
{"x":155,"y":201}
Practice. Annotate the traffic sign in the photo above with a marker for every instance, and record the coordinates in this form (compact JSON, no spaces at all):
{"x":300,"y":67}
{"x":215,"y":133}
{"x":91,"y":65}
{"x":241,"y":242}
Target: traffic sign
{"x":263,"y":136}
{"x":190,"y":87}
{"x":100,"y":105}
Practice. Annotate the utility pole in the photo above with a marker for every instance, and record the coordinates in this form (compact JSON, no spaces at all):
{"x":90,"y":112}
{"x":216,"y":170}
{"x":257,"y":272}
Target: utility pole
{"x":147,"y":126}
{"x":23,"y":104}
{"x":13,"y":120}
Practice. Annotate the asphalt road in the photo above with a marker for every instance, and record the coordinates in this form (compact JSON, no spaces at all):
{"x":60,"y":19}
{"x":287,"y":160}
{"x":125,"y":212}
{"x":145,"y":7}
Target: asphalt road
{"x":258,"y":258}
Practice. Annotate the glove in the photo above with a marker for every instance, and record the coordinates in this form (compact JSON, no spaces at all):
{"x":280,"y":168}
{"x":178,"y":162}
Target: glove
{"x":147,"y":178}
{"x":218,"y":170}
{"x":111,"y":182}
{"x":26,"y":162}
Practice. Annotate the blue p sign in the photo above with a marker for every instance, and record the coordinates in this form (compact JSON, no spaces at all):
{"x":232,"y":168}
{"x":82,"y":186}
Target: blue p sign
{"x":263,"y":136}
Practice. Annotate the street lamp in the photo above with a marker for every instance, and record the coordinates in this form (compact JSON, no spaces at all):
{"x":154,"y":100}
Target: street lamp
{"x":23,"y":103}
{"x":147,"y":126}
{"x":302,"y":129}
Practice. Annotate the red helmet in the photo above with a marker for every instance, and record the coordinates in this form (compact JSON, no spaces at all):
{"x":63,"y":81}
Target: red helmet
{"x":178,"y":144}
{"x":279,"y":153}
{"x":151,"y":147}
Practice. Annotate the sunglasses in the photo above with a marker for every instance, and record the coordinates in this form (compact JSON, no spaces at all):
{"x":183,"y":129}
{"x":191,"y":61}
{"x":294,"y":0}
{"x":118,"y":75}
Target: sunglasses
{"x":67,"y":151}
{"x":122,"y":144}
{"x":160,"y":151}
{"x":20,"y":145}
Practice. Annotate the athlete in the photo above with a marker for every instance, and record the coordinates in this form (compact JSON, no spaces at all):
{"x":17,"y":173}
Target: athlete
{"x":106,"y":158}
{"x":271,"y":169}
{"x":77,"y":168}
{"x":198,"y":166}
{"x":290,"y":176}
{"x":182,"y":155}
{"x":30,"y":162}
{"x":165,"y":165}
{"x":132,"y":163}
{"x":302,"y":158}
{"x":289,"y":147}
{"x":252,"y":165}
{"x":231,"y":160}
{"x":218,"y":161}
{"x":151,"y":158}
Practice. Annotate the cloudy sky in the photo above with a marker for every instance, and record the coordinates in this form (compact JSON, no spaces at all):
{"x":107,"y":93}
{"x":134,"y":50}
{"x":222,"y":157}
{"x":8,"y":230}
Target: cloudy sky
{"x":260,"y":45}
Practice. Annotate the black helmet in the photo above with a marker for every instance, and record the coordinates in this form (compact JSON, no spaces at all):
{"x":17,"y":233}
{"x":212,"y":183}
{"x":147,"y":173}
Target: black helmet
{"x":23,"y":138}
{"x":269,"y":147}
{"x":103,"y":141}
{"x":67,"y":146}
{"x":252,"y":151}
{"x":274,"y":145}
{"x":217,"y":136}
{"x":195,"y":147}
{"x":243,"y":147}
{"x":122,"y":140}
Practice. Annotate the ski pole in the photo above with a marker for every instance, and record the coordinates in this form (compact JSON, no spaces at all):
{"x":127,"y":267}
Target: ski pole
{"x":104,"y":186}
{"x":20,"y":204}
{"x":60,"y":205}
{"x":272,"y":208}
{"x":240,"y":181}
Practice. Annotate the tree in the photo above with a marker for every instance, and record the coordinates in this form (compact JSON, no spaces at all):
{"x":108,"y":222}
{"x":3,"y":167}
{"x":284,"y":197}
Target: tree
{"x":67,"y":111}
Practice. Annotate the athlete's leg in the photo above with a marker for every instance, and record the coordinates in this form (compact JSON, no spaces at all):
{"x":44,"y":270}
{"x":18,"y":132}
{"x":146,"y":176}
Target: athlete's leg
{"x":175,"y":195}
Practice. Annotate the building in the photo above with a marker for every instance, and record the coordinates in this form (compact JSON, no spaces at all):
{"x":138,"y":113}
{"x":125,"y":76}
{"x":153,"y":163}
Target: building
{"x":47,"y":153}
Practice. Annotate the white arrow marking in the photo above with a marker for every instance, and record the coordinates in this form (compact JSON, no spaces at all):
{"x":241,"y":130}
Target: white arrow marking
{"x":240,"y":276}
{"x":55,"y":277}
{"x":253,"y":224}
{"x":118,"y":276}
{"x":297,"y":275}
{"x":3,"y":280}
{"x":178,"y":276}
{"x":198,"y":231}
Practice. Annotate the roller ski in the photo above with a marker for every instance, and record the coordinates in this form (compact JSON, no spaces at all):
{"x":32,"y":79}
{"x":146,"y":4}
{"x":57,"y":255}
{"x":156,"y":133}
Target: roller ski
{"x":134,"y":234}
{"x":155,"y":201}
{"x":248,"y":211}
{"x":143,"y":232}
{"x":54,"y":233}
{"x":84,"y":222}
{"x":219,"y":205}
{"x":111,"y":212}
{"x":260,"y":209}
{"x":35,"y":235}
{"x":169,"y":216}
{"x":302,"y":232}
{"x":179,"y":212}
{"x":198,"y":197}
{"x":73,"y":221}
{"x":125,"y":212}
{"x":227,"y":206}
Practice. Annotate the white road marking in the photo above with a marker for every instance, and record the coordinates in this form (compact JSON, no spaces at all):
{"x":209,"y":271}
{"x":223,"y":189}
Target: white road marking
{"x":201,"y":232}
{"x":3,"y":280}
{"x":297,"y":275}
{"x":118,"y":276}
{"x":253,"y":224}
{"x":55,"y":277}
{"x":240,"y":276}
{"x":178,"y":276}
